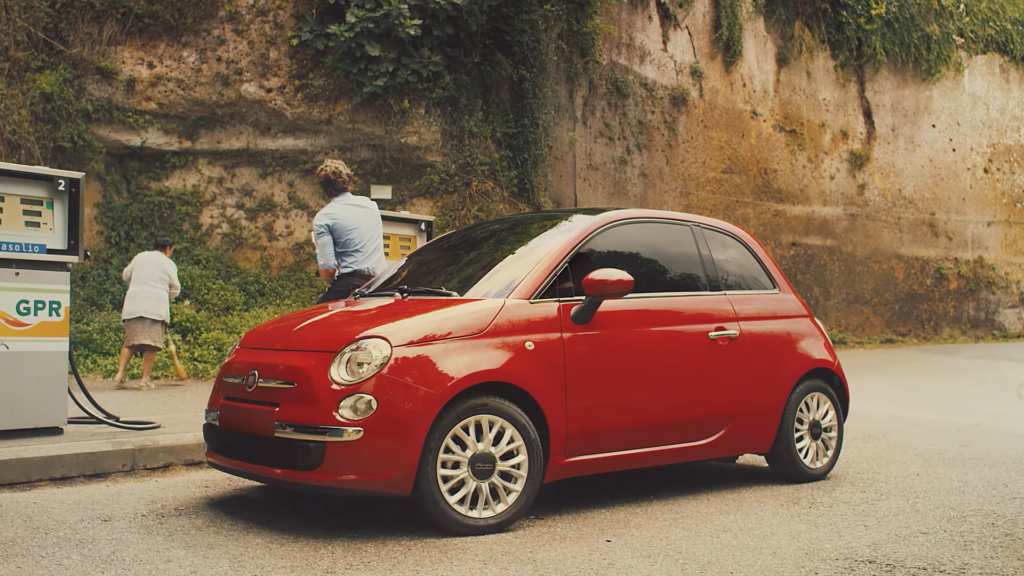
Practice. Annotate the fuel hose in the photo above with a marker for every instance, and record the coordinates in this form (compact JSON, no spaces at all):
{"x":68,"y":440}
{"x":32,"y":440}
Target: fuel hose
{"x":97,"y":414}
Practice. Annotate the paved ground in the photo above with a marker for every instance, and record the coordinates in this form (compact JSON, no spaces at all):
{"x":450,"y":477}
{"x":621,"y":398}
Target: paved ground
{"x":931,"y":481}
{"x":27,"y":456}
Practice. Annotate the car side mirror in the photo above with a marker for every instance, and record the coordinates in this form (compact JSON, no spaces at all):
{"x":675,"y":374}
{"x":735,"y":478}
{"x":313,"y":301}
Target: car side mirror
{"x":600,"y":285}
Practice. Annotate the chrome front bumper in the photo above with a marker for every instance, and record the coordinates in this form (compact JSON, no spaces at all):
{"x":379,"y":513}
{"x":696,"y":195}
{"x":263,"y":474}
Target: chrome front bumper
{"x":303,"y":431}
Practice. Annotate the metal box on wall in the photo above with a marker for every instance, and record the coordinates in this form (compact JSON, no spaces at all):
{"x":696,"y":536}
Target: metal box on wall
{"x":404,"y":232}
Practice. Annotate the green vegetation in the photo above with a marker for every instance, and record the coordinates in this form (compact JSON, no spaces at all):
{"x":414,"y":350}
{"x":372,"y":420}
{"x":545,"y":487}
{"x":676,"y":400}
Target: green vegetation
{"x":696,"y":71}
{"x":729,"y":30}
{"x":859,"y":158}
{"x":924,"y":36}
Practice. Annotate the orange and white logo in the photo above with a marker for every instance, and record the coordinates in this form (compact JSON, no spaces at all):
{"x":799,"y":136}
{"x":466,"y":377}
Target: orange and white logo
{"x":34,"y":317}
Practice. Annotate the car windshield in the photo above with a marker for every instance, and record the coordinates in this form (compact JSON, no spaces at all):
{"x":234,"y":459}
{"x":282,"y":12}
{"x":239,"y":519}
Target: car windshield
{"x":485,"y":260}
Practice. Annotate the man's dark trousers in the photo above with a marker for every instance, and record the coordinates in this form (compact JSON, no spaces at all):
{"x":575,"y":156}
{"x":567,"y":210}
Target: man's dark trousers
{"x":343,"y":286}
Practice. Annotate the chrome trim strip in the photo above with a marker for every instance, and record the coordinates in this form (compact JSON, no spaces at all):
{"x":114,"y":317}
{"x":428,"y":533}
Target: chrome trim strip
{"x":643,"y":450}
{"x":666,"y":295}
{"x":669,"y":294}
{"x":317,"y":433}
{"x":637,"y":296}
{"x":264,"y":382}
{"x":271,"y":383}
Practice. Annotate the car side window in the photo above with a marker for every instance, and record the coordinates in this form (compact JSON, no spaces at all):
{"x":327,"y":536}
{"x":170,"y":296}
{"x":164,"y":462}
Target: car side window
{"x":561,"y":287}
{"x":660,"y":257}
{"x":738,"y":268}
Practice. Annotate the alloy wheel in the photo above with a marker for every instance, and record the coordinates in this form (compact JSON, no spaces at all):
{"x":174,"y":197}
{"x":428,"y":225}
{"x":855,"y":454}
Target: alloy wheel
{"x":816,"y":430}
{"x":482,"y":466}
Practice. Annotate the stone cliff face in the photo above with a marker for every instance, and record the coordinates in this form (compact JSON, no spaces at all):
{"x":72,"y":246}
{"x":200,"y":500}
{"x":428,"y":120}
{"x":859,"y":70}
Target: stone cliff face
{"x":895,"y":205}
{"x":233,"y":97}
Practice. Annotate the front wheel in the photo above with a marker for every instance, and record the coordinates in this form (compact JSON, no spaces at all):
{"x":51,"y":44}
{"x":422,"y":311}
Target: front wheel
{"x":481,"y":467}
{"x":810,"y":435}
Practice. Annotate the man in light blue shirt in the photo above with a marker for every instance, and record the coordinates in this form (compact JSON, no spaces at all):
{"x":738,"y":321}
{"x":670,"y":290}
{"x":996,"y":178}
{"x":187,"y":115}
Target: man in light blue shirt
{"x":348,"y":233}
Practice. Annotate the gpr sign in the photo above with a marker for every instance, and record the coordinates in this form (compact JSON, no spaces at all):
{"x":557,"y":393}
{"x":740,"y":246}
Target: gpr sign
{"x":34,"y":308}
{"x":34,"y":317}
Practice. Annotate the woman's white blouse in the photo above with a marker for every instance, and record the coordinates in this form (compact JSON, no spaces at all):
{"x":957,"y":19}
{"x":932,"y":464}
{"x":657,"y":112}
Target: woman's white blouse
{"x":152,"y":283}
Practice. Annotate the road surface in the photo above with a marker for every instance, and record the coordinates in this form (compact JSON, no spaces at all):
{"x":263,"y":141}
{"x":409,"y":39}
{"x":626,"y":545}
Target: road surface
{"x":931,"y":481}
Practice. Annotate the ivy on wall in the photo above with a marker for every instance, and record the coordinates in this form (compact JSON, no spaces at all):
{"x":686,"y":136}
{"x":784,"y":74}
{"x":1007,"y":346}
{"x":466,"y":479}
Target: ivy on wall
{"x":486,"y":68}
{"x":923,"y":36}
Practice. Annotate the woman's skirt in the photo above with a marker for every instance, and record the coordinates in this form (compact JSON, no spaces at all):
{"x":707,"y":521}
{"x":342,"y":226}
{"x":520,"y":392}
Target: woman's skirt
{"x":143,"y":333}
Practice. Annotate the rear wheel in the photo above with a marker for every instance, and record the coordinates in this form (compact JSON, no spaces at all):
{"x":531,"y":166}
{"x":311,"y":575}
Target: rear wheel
{"x":481,"y":467}
{"x":810,"y":435}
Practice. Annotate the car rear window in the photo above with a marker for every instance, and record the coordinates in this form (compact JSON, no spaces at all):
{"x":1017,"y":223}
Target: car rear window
{"x":738,"y":268}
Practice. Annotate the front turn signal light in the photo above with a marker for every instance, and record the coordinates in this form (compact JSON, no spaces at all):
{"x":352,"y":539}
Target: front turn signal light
{"x":357,"y":407}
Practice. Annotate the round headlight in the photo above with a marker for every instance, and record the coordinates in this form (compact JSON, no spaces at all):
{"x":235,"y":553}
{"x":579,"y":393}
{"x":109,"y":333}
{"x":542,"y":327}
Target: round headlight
{"x":359,"y":360}
{"x":357,"y":407}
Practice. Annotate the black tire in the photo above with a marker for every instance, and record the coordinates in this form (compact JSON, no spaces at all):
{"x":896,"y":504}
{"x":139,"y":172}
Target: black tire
{"x":428,"y":493}
{"x":784,"y":457}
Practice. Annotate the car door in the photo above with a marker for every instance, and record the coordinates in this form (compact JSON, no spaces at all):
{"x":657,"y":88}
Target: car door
{"x":644,"y":371}
{"x":771,"y":322}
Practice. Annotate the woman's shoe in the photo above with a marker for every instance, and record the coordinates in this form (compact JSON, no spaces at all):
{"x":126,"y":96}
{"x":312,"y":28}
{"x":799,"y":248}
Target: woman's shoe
{"x":146,"y":384}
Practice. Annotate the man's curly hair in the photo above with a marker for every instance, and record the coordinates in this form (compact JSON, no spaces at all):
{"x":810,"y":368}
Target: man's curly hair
{"x":334,"y":177}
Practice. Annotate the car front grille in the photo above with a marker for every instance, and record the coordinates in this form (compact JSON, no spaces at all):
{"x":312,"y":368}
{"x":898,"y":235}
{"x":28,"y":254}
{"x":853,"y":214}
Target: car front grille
{"x":267,"y":451}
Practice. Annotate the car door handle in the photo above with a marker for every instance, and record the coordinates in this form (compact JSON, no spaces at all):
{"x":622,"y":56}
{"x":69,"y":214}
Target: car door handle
{"x":730,"y":334}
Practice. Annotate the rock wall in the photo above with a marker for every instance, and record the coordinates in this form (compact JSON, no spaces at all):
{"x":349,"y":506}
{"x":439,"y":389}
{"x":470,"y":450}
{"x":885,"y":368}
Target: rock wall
{"x":895,"y":205}
{"x":233,"y":96}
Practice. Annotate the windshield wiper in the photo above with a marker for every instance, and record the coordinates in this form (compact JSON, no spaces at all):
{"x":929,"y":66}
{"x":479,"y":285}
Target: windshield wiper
{"x":406,"y":291}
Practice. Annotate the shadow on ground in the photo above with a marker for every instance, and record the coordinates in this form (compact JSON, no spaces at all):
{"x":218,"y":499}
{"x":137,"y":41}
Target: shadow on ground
{"x":314,"y":515}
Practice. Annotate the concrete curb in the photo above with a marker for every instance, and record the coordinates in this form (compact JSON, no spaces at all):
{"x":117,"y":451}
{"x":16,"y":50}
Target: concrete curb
{"x":22,"y":464}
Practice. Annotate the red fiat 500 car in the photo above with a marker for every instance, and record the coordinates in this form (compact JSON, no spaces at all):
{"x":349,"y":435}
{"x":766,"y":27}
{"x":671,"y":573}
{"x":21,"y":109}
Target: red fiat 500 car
{"x":529,"y":349}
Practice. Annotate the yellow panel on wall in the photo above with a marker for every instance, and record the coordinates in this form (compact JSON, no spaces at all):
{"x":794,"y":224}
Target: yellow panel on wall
{"x":396,"y":246}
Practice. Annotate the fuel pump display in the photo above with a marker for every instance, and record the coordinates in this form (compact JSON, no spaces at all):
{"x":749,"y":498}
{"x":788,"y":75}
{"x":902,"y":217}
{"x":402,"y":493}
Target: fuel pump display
{"x":40,"y":237}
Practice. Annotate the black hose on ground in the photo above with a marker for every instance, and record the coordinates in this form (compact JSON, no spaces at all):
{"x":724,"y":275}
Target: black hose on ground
{"x":102,"y":416}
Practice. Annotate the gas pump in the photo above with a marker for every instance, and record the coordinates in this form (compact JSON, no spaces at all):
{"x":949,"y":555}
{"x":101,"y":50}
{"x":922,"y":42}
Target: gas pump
{"x":41,"y":225}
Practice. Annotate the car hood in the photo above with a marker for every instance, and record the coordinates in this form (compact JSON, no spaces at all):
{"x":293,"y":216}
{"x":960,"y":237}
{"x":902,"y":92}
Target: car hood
{"x":332,"y":326}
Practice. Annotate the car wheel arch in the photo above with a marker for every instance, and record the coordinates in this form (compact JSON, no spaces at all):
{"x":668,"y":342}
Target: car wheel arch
{"x":518,"y":396}
{"x":834,"y":382}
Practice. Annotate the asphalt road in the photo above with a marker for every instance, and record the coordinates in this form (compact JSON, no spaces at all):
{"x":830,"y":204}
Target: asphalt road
{"x":931,"y":481}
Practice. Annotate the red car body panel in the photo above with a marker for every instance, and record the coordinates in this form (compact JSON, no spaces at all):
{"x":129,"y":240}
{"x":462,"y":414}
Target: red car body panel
{"x":642,"y":384}
{"x":400,"y":321}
